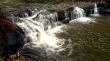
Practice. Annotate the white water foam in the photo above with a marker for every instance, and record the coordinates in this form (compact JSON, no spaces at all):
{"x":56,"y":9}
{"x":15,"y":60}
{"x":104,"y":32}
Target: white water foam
{"x":83,"y":20}
{"x":35,"y":31}
{"x":79,"y":15}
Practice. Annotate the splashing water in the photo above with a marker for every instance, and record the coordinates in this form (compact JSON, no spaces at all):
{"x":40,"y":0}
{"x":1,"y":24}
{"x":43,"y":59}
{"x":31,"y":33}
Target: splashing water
{"x":78,"y":12}
{"x":41,"y":28}
{"x":79,"y":15}
{"x":95,"y":13}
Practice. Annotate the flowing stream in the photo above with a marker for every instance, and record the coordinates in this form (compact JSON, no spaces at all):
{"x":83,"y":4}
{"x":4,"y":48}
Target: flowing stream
{"x":82,"y":39}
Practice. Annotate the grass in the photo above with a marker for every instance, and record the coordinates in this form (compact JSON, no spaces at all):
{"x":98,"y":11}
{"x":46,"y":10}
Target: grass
{"x":9,"y":5}
{"x":13,"y":4}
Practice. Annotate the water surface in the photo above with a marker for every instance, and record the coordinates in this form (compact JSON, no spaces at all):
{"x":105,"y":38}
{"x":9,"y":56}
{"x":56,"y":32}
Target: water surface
{"x":89,"y":42}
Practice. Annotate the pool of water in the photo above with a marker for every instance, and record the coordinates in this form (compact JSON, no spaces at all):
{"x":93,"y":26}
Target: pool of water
{"x":89,"y":42}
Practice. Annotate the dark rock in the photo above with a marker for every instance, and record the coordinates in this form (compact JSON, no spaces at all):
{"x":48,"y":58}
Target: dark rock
{"x":61,"y":15}
{"x":101,"y":5}
{"x":70,"y":9}
{"x":107,"y":1}
{"x":87,"y":10}
{"x":12,"y":37}
{"x":14,"y":42}
{"x":105,"y":12}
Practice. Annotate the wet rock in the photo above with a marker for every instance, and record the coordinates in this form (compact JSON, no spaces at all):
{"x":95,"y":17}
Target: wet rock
{"x":11,"y":37}
{"x":14,"y":42}
{"x":105,"y":12}
{"x":88,"y":10}
{"x":6,"y":27}
{"x":61,"y":15}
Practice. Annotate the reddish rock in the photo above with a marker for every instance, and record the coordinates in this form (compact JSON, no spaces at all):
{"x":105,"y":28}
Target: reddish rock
{"x":6,"y":27}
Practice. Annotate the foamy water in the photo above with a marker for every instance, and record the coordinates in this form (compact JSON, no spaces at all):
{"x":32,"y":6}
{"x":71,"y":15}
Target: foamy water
{"x":83,"y":20}
{"x":41,"y":30}
{"x":41,"y":38}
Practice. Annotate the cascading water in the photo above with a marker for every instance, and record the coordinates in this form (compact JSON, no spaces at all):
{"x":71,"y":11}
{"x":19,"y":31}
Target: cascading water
{"x":40,"y":29}
{"x":95,"y":11}
{"x":44,"y":45}
{"x":78,"y":12}
{"x":79,"y":15}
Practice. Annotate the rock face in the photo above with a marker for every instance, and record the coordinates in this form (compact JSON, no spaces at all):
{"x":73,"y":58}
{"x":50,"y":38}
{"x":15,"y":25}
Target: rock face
{"x":108,"y":3}
{"x":11,"y":37}
{"x":5,"y":28}
{"x":104,"y":8}
{"x":14,"y":43}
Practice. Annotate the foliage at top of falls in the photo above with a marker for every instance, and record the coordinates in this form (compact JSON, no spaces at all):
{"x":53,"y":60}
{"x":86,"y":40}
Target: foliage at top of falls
{"x":9,"y":5}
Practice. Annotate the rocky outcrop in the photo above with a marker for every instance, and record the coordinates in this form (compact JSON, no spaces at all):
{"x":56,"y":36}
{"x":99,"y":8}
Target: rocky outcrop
{"x":11,"y":37}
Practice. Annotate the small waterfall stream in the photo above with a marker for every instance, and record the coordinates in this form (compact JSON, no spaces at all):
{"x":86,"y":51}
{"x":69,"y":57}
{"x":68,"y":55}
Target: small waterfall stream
{"x":37,"y":29}
{"x":41,"y":28}
{"x":78,"y":12}
{"x":95,"y":11}
{"x":79,"y":15}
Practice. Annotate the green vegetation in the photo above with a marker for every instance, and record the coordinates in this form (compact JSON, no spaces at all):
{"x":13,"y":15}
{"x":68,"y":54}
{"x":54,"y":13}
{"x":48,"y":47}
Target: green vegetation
{"x":10,"y":4}
{"x":7,"y":5}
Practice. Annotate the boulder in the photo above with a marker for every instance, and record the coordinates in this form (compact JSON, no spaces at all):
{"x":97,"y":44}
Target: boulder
{"x":11,"y":37}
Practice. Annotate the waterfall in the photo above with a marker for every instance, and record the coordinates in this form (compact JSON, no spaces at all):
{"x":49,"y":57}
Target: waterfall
{"x":78,"y":12}
{"x":78,"y":15}
{"x":95,"y":10}
{"x":40,"y":29}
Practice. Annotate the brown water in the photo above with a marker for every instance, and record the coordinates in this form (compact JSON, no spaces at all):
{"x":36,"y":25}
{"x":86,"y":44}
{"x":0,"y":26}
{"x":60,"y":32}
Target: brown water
{"x":90,"y":42}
